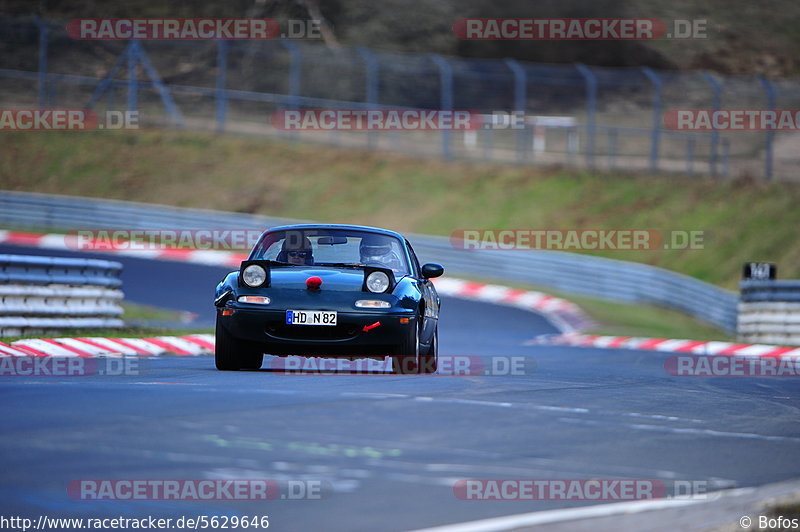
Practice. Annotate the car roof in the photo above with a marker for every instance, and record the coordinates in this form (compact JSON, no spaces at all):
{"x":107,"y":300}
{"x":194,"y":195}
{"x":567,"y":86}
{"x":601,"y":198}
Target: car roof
{"x":365,"y":228}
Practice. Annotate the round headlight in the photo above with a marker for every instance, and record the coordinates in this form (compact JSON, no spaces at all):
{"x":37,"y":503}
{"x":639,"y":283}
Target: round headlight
{"x":377,"y":282}
{"x":254,"y":275}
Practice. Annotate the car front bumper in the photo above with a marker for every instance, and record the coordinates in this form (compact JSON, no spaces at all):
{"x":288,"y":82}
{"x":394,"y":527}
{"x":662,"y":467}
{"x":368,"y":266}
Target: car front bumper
{"x":355,"y":334}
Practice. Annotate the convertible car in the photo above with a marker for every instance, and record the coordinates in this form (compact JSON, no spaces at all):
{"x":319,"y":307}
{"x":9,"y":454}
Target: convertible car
{"x":329,"y":291}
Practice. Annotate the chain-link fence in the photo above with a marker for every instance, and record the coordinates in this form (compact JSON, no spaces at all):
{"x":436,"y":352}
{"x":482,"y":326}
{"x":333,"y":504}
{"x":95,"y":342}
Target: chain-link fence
{"x":571,"y":115}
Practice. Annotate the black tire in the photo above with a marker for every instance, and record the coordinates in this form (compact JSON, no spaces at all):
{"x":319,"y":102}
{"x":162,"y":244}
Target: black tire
{"x":429,"y":361}
{"x":253,"y":359}
{"x":406,"y":361}
{"x":231,"y":354}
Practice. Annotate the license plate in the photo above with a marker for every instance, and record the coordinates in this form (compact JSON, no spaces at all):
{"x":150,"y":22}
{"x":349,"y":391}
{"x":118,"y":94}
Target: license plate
{"x":311,"y":317}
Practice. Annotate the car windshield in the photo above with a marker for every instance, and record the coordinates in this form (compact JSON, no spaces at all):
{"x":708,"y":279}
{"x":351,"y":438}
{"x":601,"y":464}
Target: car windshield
{"x":321,"y":247}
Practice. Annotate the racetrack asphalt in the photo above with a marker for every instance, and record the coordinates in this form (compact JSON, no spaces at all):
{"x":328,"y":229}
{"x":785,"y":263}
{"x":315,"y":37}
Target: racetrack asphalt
{"x":385,"y":449}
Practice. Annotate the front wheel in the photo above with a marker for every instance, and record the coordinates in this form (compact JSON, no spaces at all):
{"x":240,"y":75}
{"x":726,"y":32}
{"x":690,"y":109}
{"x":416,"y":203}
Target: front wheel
{"x":406,"y":361}
{"x":231,"y":354}
{"x":252,"y":359}
{"x":429,"y":362}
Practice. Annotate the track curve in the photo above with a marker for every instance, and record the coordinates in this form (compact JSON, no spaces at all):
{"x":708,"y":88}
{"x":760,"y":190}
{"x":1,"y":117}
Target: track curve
{"x":387,"y":448}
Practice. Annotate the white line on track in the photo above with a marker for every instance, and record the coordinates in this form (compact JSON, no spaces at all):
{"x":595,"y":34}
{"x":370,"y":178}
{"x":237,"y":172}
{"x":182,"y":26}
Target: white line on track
{"x":693,"y":431}
{"x":512,"y":522}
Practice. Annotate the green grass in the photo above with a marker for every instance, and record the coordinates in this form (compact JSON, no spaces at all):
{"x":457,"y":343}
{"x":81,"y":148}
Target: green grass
{"x":138,"y":312}
{"x":616,"y":319}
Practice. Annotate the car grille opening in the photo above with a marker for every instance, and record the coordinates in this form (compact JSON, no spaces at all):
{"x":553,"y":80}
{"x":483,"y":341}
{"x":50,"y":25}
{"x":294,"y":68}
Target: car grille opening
{"x":311,"y":332}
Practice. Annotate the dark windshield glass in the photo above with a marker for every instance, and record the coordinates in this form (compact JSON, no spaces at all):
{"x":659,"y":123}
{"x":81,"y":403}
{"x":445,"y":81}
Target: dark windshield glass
{"x":322,"y":247}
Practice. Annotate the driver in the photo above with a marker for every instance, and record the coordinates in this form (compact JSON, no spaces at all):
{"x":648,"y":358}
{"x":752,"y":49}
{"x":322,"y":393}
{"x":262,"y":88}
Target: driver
{"x":296,"y":252}
{"x":377,"y":250}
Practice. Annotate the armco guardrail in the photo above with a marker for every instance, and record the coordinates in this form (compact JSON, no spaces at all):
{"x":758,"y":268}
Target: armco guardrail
{"x":769,"y":312}
{"x":41,"y":294}
{"x":609,"y":279}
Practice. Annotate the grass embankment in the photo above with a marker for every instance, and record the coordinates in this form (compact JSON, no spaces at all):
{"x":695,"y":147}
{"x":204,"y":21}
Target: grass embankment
{"x":147,"y":313}
{"x":741,"y":220}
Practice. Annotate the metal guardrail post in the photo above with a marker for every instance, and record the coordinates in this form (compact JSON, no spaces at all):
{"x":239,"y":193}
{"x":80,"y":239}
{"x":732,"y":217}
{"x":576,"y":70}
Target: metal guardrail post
{"x":221,"y":84}
{"x":371,"y":88}
{"x":135,"y":56}
{"x":295,"y":66}
{"x":52,"y":91}
{"x":714,"y":134}
{"x":111,"y":98}
{"x":591,"y":110}
{"x":295,"y":70}
{"x":446,"y":103}
{"x":42,"y":83}
{"x":770,"y":136}
{"x":726,"y":152}
{"x":520,"y":98}
{"x":657,"y":111}
{"x":133,"y":87}
{"x":488,"y":144}
{"x":612,"y":147}
{"x":108,"y":79}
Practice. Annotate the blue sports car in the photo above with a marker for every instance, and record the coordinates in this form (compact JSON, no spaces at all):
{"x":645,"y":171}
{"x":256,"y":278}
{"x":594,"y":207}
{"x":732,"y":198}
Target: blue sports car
{"x":330,"y":291}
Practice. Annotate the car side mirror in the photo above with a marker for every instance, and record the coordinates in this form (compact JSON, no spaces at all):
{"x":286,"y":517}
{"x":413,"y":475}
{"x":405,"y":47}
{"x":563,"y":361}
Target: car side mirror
{"x":431,"y":270}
